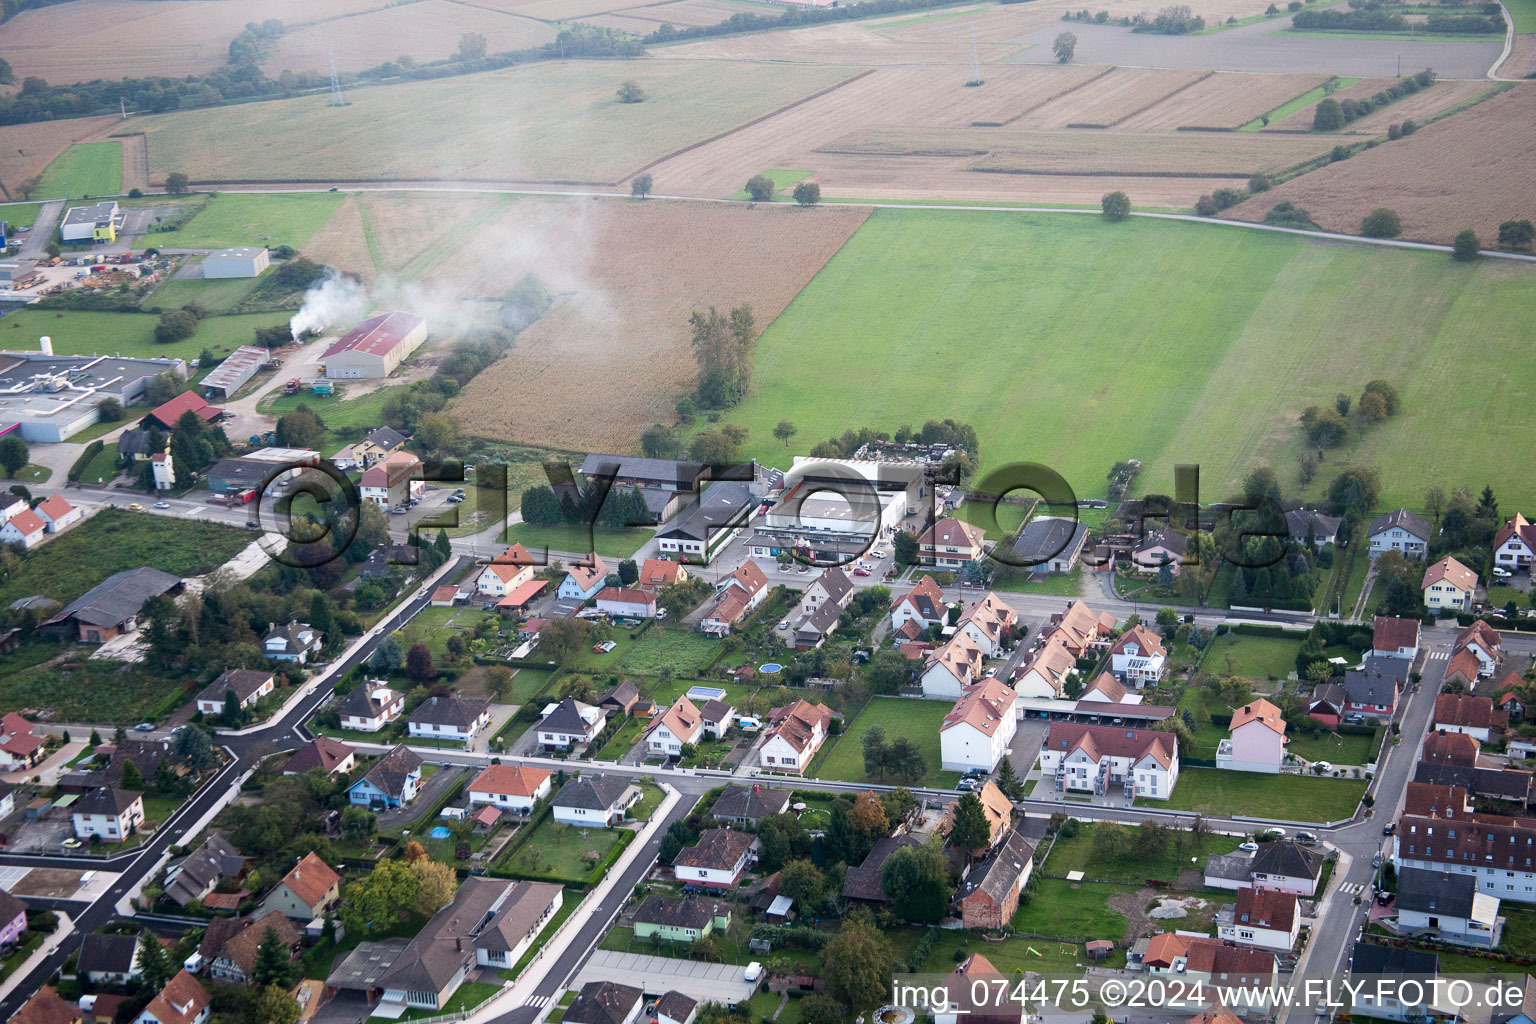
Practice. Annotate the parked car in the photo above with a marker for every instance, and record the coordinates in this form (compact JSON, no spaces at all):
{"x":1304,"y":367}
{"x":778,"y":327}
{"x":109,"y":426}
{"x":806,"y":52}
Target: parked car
{"x":1274,"y":832}
{"x":144,"y":727}
{"x":1376,"y":861}
{"x":1306,"y":838}
{"x":1389,"y":828}
{"x":162,"y":504}
{"x":1250,"y":846}
{"x":1501,"y":572}
{"x":1326,"y":766}
{"x":71,"y":843}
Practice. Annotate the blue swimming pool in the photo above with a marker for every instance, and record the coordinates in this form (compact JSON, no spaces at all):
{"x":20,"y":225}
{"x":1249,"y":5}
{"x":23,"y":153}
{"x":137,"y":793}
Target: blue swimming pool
{"x":770,"y":668}
{"x":439,"y":833}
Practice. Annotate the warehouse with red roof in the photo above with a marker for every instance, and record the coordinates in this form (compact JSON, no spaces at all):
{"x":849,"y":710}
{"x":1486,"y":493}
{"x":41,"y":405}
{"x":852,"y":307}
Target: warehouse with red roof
{"x":376,"y":346}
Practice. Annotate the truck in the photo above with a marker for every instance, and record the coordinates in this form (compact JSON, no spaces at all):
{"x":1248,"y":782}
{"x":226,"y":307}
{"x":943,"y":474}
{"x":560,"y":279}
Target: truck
{"x":322,"y":388}
{"x":242,"y":497}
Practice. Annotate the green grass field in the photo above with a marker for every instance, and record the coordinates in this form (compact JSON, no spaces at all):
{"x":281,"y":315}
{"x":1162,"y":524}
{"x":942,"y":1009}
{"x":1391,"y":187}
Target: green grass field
{"x":558,"y":851}
{"x":19,"y":214}
{"x":1524,"y":14}
{"x":783,"y":182}
{"x":1257,"y":657}
{"x":217,"y":296}
{"x":1336,"y":748}
{"x":131,"y":334}
{"x":684,"y":650}
{"x":609,"y":542}
{"x":1283,"y":797}
{"x":84,"y":169}
{"x":1063,"y":911}
{"x":1076,"y":854}
{"x":103,"y":467}
{"x":1291,"y":106}
{"x":1214,"y":341}
{"x":918,"y":720}
{"x":234,"y":218}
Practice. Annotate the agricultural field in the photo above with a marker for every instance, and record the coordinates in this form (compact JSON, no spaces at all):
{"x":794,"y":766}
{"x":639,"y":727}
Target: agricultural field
{"x":656,"y":261}
{"x":918,"y":720}
{"x":425,"y":31}
{"x":400,"y":234}
{"x":130,"y":334}
{"x":84,"y":169}
{"x":1440,"y":97}
{"x":1221,"y":101}
{"x":1225,"y":336}
{"x":234,"y":218}
{"x":91,"y":39}
{"x":553,"y":123}
{"x":1107,"y":101}
{"x":1465,"y":171}
{"x":26,"y":150}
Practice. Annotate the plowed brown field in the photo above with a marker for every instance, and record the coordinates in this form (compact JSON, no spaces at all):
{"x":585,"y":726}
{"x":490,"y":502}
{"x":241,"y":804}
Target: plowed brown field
{"x":425,"y":30}
{"x":1467,"y":171}
{"x":1109,"y":100}
{"x":612,"y":356}
{"x":1441,"y":96}
{"x":1224,"y":100}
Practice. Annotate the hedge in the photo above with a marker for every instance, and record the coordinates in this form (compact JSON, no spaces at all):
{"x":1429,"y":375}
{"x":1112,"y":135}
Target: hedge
{"x":92,"y":450}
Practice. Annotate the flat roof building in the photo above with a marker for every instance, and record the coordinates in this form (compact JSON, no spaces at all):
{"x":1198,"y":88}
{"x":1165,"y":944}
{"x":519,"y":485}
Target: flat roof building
{"x":96,"y":223}
{"x":51,"y":398}
{"x":240,"y":261}
{"x":232,"y":374}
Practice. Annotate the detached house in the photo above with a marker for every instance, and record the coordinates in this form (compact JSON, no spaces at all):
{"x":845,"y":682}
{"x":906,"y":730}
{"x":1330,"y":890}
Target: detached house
{"x":25,"y":528}
{"x":569,"y":723}
{"x":57,"y":513}
{"x":449,"y":718}
{"x":198,"y":873}
{"x":626,"y":603}
{"x":1165,"y":547}
{"x":109,"y":959}
{"x":1400,"y":531}
{"x":1514,"y":546}
{"x":1483,"y":643}
{"x":988,"y":622}
{"x":1097,"y":758}
{"x":1045,"y":674}
{"x":309,"y":891}
{"x":1309,"y":526}
{"x":1393,"y":637}
{"x":1467,"y":714}
{"x":230,"y":943}
{"x":111,"y":814}
{"x":680,"y":918}
{"x":718,"y":718}
{"x":394,"y":479}
{"x":13,"y":918}
{"x":951,"y":543}
{"x":796,"y":732}
{"x":595,"y":801}
{"x":1266,"y":918}
{"x":391,"y":783}
{"x":1448,"y":586}
{"x":370,"y":706}
{"x":743,"y":805}
{"x":505,"y":573}
{"x":923,"y":604}
{"x":296,"y":642}
{"x":977,"y":732}
{"x":605,"y":1002}
{"x":1446,"y":906}
{"x":247,"y":686}
{"x":679,"y":725}
{"x":20,"y":747}
{"x":735,"y":596}
{"x":952,"y":668}
{"x":991,"y":888}
{"x":1257,"y":743}
{"x":582,"y":582}
{"x":659,"y":573}
{"x":821,"y":608}
{"x":1372,"y":689}
{"x":510,"y":787}
{"x":1287,"y":866}
{"x":1138,"y":657}
{"x":322,"y":752}
{"x":182,"y":1001}
{"x":717,"y":860}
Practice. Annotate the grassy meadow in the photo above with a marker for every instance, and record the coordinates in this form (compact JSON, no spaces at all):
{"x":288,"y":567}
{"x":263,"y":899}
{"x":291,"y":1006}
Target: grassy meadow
{"x":1074,"y":342}
{"x":84,"y":169}
{"x":75,"y":332}
{"x":898,"y":716}
{"x":234,"y":218}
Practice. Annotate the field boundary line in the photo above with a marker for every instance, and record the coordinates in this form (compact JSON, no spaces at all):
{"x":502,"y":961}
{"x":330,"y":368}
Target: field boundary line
{"x":1161,"y":99}
{"x":1109,"y":69}
{"x":742,"y":127}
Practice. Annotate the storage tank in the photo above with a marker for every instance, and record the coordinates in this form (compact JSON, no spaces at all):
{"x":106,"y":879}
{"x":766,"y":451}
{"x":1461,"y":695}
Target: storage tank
{"x":45,"y":345}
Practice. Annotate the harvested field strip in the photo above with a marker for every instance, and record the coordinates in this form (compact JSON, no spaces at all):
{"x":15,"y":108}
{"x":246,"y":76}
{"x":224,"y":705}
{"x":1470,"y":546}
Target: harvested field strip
{"x":1299,"y":118}
{"x":1421,"y":106}
{"x":1110,"y":153}
{"x":554,"y":123}
{"x":1108,"y":100}
{"x":1305,"y":101}
{"x":691,"y":12}
{"x":26,"y":149}
{"x":1063,"y":91}
{"x":1225,"y":100}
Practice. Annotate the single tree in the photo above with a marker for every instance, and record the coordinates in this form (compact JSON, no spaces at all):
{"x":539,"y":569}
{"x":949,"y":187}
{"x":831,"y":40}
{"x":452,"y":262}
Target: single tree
{"x":1008,"y":780}
{"x":1517,"y":234}
{"x":155,"y":967}
{"x":1064,"y":47}
{"x":760,"y":188}
{"x":274,"y":962}
{"x":876,"y":754}
{"x":274,"y":1005}
{"x":970,"y":831}
{"x":807,"y":193}
{"x":176,"y":183}
{"x":418,"y":664}
{"x":1381,"y":223}
{"x":858,"y":963}
{"x":906,"y":761}
{"x":640,"y":187}
{"x":1328,"y":116}
{"x":916,"y":878}
{"x":436,"y":884}
{"x":802,"y":882}
{"x":1116,"y":206}
{"x":1466,"y":247}
{"x":231,"y":713}
{"x":14,"y":454}
{"x":784,"y":431}
{"x":472,"y":46}
{"x":630,"y":91}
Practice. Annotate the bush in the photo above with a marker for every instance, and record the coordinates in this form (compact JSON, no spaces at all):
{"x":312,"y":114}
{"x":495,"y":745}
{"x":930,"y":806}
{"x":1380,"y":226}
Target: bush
{"x":1381,"y":223}
{"x":760,"y":188}
{"x":1517,"y":234}
{"x":1258,"y":183}
{"x":1328,"y":117}
{"x":1466,"y":247}
{"x":1116,"y":206}
{"x":1226,"y":198}
{"x":1205,"y":206}
{"x":1338,"y":153}
{"x":807,"y":193}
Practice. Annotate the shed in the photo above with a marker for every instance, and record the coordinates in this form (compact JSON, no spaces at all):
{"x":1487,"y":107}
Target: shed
{"x":240,"y":261}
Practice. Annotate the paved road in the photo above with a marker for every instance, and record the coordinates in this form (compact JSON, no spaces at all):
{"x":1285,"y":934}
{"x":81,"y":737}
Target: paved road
{"x":42,"y":230}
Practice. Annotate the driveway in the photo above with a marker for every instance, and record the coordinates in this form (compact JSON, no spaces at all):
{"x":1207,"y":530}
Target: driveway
{"x":713,"y":983}
{"x":436,"y":786}
{"x":42,"y":230}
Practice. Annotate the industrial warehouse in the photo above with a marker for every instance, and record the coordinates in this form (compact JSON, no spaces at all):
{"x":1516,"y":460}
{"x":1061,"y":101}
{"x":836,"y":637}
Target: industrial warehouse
{"x":52,"y":398}
{"x":375,"y":347}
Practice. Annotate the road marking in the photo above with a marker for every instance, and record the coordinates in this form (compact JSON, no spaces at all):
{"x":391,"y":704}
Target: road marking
{"x":1351,"y":888}
{"x":537,"y":1001}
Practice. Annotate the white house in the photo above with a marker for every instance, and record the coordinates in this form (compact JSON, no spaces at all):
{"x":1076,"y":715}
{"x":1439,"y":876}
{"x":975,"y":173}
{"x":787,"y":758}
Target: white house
{"x":1266,"y":918}
{"x":1483,"y":642}
{"x":606,"y":1002}
{"x":717,"y":860}
{"x":247,"y":686}
{"x":718,"y":718}
{"x":112,"y":814}
{"x":1045,"y":674}
{"x":1098,"y":758}
{"x":296,"y":642}
{"x":951,"y":668}
{"x":681,"y":724}
{"x":582,"y":582}
{"x":594,"y":801}
{"x":1400,"y":531}
{"x":182,"y":1001}
{"x":1447,"y":906}
{"x":57,"y":513}
{"x":569,"y":723}
{"x":1257,"y":743}
{"x":370,"y":706}
{"x":1393,"y":637}
{"x":796,"y":732}
{"x":627,"y":603}
{"x":988,"y":622}
{"x":1468,"y":714}
{"x":517,"y":918}
{"x":1514,"y":546}
{"x":1138,"y":658}
{"x":923,"y":604}
{"x":26,"y":528}
{"x":977,"y":732}
{"x":1448,"y":586}
{"x":511,"y":787}
{"x":449,"y":718}
{"x":735,"y":596}
{"x":951,"y":543}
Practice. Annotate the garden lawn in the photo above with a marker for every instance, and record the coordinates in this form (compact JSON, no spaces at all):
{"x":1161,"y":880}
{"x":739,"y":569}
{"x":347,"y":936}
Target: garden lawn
{"x":1063,"y":912}
{"x":1256,"y":657}
{"x":32,"y":473}
{"x":555,"y":851}
{"x":528,"y":682}
{"x":234,"y":218}
{"x":1010,"y":956}
{"x":19,"y":215}
{"x":217,"y":296}
{"x":619,"y":743}
{"x":84,"y":169}
{"x":344,"y":416}
{"x":608,"y":542}
{"x":1076,"y":854}
{"x":1229,"y":312}
{"x":466,"y":997}
{"x":104,"y":466}
{"x":83,"y":333}
{"x":1338,"y":748}
{"x":1279,"y":797}
{"x":917,"y":719}
{"x":683,"y":650}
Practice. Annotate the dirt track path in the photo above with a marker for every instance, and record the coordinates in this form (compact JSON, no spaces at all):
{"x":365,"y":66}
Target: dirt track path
{"x":135,"y":163}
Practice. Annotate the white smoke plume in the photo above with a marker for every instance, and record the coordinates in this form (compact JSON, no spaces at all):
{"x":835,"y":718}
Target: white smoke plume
{"x":333,"y":299}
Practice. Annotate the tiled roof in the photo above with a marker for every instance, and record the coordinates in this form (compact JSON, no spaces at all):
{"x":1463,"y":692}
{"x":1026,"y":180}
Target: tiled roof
{"x":1390,"y":633}
{"x":718,"y":849}
{"x":926,"y":598}
{"x":952,"y":533}
{"x":179,"y":1002}
{"x":751,"y":802}
{"x":310,"y":880}
{"x":237,"y":939}
{"x":1448,"y":570}
{"x":603,"y":1002}
{"x":1106,"y":684}
{"x":1266,"y":908}
{"x":797,"y":723}
{"x":455,"y":711}
{"x":1465,"y":710}
{"x":680,"y":911}
{"x":244,"y":682}
{"x":389,"y":772}
{"x":682,"y":719}
{"x":1400,"y":518}
{"x":1287,"y":858}
{"x":592,"y":792}
{"x":46,"y":1007}
{"x":320,"y":752}
{"x":1450,"y":748}
{"x":513,"y":780}
{"x":521,"y":909}
{"x":1143,"y":638}
{"x":1436,"y":892}
{"x":983,"y":707}
{"x":1112,"y":741}
{"x":1259,"y":710}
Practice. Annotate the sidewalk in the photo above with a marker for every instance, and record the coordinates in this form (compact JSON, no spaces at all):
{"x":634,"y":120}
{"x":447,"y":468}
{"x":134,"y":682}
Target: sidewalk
{"x":65,"y":929}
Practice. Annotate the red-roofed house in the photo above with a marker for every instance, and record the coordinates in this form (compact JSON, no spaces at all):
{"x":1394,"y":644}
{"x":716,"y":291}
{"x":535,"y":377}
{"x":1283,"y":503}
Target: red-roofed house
{"x":1448,"y":585}
{"x":1096,"y":758}
{"x":166,"y":415}
{"x":923,"y":605}
{"x":795,"y":734}
{"x":1455,"y":748}
{"x":57,"y":513}
{"x":1265,"y":918}
{"x":1467,"y":714}
{"x":627,"y":603}
{"x":977,"y":731}
{"x":20,"y":747}
{"x":952,"y":668}
{"x":25,"y":528}
{"x":498,"y":578}
{"x":735,"y":596}
{"x":1138,"y":657}
{"x":182,"y":1001}
{"x":659,"y":572}
{"x":511,"y":787}
{"x":376,"y":346}
{"x":306,"y":892}
{"x":1482,"y":642}
{"x":1514,"y":546}
{"x":1045,"y":673}
{"x":950,"y":543}
{"x":1257,"y":743}
{"x":392,"y":481}
{"x":1395,"y":638}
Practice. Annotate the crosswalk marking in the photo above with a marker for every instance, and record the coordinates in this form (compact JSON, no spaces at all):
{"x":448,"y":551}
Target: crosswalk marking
{"x":537,"y":1001}
{"x":1437,"y":655}
{"x":1351,"y":888}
